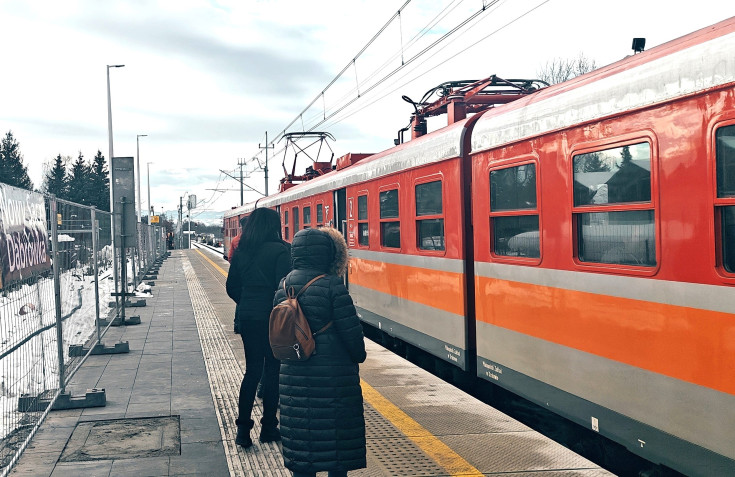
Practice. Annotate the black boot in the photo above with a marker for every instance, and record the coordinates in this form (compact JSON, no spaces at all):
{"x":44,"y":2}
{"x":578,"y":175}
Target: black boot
{"x":269,"y":434}
{"x":243,"y":435}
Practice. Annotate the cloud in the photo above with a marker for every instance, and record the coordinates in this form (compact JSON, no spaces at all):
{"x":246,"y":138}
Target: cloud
{"x":264,"y":69}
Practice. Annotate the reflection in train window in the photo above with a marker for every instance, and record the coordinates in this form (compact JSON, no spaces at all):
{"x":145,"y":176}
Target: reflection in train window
{"x":613,"y":176}
{"x":725,"y":154}
{"x":285,"y":223}
{"x":728,"y":238}
{"x":363,"y":233}
{"x":430,"y":228}
{"x":514,"y":216}
{"x":624,"y":237}
{"x":307,"y":217}
{"x":613,"y":210}
{"x":295,"y":220}
{"x":390,"y":230}
{"x":319,"y":214}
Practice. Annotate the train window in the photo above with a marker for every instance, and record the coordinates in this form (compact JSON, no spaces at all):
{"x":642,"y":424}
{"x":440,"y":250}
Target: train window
{"x":623,"y":237}
{"x":618,"y":178}
{"x":319,"y":214}
{"x":390,"y":230}
{"x":430,"y":228}
{"x":285,"y":225}
{"x":514,"y":216}
{"x":613,"y":176}
{"x":295,"y":220}
{"x":307,"y":217}
{"x":363,"y":231}
{"x":725,"y":158}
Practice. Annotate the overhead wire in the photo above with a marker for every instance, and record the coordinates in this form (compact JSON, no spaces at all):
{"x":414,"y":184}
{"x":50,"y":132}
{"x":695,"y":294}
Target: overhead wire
{"x":443,"y":47}
{"x":332,"y":118}
{"x":407,"y":63}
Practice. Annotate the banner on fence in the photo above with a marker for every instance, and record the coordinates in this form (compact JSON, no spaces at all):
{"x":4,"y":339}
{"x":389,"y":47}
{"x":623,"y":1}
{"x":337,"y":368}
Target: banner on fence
{"x":123,"y":187}
{"x":23,"y":234}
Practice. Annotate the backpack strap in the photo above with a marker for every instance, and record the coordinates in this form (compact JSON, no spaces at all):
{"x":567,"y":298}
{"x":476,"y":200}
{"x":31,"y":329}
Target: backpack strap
{"x":291,"y":295}
{"x":324,"y":328}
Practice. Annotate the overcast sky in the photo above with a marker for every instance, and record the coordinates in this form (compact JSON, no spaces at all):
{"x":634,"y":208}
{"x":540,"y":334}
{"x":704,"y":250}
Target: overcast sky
{"x":206,"y":79}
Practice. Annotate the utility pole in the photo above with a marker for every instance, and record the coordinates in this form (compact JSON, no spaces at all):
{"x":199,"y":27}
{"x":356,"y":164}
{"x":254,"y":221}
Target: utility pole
{"x":241,"y":162}
{"x":265,"y":169}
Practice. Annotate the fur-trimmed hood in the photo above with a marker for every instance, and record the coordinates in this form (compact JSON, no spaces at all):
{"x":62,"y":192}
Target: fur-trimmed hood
{"x":341,"y":255}
{"x":322,"y":249}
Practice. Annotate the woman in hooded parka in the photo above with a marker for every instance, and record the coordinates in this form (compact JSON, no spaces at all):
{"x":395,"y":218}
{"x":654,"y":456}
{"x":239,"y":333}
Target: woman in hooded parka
{"x":322,"y":422}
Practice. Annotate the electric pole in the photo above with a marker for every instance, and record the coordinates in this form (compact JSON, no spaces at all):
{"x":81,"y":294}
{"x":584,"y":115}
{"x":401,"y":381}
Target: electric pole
{"x":265,"y":169}
{"x":241,"y":162}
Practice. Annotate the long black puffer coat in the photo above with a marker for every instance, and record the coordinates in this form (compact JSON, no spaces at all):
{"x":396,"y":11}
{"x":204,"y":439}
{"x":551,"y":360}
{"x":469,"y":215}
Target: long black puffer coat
{"x":322,"y":422}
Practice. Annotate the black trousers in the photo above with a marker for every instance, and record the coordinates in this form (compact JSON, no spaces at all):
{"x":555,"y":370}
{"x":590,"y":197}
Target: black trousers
{"x":259,"y":362}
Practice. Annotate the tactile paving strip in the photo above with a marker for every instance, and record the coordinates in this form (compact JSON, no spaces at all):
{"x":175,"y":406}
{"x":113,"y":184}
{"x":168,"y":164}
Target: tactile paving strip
{"x":389,"y":451}
{"x":225,"y":376}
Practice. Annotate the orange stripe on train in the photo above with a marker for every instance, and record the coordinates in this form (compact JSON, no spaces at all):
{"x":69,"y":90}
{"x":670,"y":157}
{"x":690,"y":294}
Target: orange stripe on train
{"x":690,"y":344}
{"x":442,"y":290}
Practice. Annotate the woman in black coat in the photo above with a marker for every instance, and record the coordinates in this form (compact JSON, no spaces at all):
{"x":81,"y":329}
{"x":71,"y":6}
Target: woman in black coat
{"x":322,"y":423}
{"x":258,"y":264}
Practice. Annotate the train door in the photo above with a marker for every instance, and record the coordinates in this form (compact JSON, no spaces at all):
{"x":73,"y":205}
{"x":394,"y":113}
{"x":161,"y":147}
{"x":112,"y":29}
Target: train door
{"x":340,"y":217}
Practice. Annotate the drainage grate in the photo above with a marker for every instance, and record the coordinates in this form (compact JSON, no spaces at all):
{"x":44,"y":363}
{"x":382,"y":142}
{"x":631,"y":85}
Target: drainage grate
{"x":123,"y":439}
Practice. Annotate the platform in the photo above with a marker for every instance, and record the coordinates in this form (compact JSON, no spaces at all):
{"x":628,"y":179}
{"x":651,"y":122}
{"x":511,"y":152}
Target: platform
{"x":172,"y":403}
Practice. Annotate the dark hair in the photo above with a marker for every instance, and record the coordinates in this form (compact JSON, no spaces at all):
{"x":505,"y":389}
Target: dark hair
{"x":243,"y":221}
{"x":263,"y":225}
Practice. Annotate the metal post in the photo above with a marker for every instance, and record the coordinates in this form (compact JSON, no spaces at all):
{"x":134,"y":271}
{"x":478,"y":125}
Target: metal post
{"x":266,"y":164}
{"x":149,"y":193}
{"x":123,"y":263}
{"x":181,"y":222}
{"x":95,"y":244}
{"x":57,"y":289}
{"x":112,"y":198}
{"x":265,"y":168}
{"x":241,"y":163}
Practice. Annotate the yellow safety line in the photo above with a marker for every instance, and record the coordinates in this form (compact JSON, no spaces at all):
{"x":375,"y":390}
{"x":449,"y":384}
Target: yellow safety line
{"x":428,"y":442}
{"x":213,"y":264}
{"x":442,"y":454}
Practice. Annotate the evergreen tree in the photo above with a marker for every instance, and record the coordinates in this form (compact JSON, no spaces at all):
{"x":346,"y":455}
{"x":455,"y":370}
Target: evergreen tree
{"x":55,"y":181}
{"x":626,"y":156}
{"x":78,"y":190}
{"x":12,"y":170}
{"x":99,"y":183}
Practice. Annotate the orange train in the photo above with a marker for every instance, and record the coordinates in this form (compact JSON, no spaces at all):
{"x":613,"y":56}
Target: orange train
{"x":574,"y":244}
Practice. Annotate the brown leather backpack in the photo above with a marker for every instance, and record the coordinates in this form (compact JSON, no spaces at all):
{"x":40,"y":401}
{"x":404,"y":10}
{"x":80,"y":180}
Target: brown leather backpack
{"x":288,"y":330}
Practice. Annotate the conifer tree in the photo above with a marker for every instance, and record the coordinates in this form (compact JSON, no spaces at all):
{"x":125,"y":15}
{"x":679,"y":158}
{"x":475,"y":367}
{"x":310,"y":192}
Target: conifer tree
{"x":55,"y":181}
{"x":78,"y":182}
{"x":12,"y":170}
{"x":99,"y":183}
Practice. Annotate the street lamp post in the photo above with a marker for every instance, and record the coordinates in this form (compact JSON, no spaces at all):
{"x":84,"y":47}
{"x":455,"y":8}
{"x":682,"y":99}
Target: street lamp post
{"x":112,"y":197}
{"x":139,"y":205}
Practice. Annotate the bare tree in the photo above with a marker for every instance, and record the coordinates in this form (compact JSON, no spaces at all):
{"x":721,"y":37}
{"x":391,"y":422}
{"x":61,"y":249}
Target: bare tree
{"x":559,"y":70}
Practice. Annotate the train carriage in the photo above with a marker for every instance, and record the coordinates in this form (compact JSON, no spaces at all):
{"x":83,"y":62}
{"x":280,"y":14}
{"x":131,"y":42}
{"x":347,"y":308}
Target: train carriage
{"x":575,"y":246}
{"x":603,"y":243}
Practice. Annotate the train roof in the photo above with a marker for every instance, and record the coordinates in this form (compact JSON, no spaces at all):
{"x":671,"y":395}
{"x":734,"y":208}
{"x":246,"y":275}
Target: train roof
{"x":688,"y":65}
{"x":437,"y":146}
{"x":703,"y":59}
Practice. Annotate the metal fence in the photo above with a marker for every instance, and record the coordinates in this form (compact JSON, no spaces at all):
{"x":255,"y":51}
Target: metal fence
{"x":52,"y":317}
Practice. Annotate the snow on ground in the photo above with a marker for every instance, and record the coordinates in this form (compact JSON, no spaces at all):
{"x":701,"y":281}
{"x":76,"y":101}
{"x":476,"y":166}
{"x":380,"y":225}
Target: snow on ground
{"x":32,"y":368}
